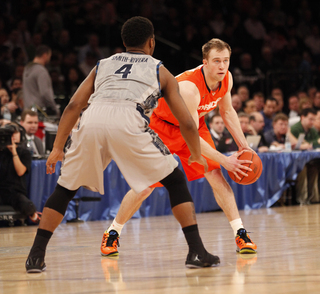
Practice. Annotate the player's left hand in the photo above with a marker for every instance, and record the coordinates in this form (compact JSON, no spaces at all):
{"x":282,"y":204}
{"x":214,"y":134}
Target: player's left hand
{"x":201,"y":160}
{"x":55,"y":156}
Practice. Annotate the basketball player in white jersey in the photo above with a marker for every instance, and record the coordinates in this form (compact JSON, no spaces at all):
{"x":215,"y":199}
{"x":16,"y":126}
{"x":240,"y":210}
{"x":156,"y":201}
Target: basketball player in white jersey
{"x":122,"y":91}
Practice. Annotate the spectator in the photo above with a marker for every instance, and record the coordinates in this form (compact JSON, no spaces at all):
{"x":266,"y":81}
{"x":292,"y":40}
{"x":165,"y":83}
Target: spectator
{"x":30,"y":122}
{"x":304,"y":102}
{"x":15,"y":164}
{"x":89,"y":63}
{"x":244,"y":93}
{"x":258,"y":97}
{"x":293,"y":106}
{"x":37,"y":85}
{"x":278,"y":95}
{"x":246,"y":73}
{"x":217,"y":131}
{"x":256,"y":122}
{"x":93,"y":47}
{"x":268,"y":113}
{"x":305,"y":125}
{"x":316,"y":101}
{"x":277,"y":135}
{"x":7,"y":107}
{"x":249,"y":106}
{"x":236,"y":102}
{"x":316,"y":123}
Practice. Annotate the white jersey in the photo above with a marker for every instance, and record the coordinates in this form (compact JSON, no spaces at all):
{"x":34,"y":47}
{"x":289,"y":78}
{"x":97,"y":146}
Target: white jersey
{"x":128,"y":76}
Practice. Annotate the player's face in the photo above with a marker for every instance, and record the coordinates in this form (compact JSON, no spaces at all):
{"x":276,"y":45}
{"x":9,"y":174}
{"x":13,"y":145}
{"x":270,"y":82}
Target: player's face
{"x":217,"y":64}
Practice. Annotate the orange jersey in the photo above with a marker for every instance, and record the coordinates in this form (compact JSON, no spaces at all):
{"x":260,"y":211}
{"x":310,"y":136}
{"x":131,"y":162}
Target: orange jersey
{"x":209,"y":99}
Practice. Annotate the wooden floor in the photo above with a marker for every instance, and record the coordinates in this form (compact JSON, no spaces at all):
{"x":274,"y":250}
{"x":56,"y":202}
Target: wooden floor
{"x":153,"y":252}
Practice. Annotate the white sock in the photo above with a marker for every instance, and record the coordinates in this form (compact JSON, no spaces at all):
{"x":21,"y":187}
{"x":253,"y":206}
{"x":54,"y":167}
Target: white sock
{"x":115,"y":226}
{"x":236,"y":224}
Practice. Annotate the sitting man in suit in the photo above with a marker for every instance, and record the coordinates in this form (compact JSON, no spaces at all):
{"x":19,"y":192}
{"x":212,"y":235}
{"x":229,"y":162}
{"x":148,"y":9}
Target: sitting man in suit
{"x":29,"y":120}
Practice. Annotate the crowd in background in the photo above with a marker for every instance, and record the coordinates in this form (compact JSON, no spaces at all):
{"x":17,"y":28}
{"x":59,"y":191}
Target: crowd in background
{"x":273,"y":43}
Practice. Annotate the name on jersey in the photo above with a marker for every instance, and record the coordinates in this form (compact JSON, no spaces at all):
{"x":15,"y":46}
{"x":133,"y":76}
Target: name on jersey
{"x":130,"y":59}
{"x":211,"y":105}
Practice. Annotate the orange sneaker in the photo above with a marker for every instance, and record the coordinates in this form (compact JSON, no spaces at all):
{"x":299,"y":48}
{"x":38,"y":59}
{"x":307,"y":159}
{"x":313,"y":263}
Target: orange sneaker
{"x":244,"y":243}
{"x":110,"y":243}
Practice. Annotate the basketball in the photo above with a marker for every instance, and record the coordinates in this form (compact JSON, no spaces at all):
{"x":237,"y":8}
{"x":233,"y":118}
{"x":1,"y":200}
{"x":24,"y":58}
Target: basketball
{"x":256,"y":167}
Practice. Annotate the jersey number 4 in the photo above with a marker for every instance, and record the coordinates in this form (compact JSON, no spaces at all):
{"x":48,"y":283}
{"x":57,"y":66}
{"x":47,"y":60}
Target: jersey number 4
{"x":124,"y":70}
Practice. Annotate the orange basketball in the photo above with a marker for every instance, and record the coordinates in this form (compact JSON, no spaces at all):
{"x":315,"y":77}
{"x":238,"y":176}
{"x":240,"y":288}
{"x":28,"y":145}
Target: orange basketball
{"x":256,"y":167}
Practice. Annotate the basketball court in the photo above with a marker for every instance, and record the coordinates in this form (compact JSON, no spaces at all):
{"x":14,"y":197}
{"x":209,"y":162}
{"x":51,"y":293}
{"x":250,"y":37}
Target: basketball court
{"x":153,"y":251}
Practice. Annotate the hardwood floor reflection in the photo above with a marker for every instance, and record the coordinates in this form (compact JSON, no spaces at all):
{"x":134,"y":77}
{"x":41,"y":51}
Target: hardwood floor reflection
{"x":153,"y":252}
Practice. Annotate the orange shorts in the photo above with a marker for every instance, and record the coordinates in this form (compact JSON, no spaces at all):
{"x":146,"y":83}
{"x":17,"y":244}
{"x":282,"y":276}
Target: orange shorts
{"x":172,"y":138}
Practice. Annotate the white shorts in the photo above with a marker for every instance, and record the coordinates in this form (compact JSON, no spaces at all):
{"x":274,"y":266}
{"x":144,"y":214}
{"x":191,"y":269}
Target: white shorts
{"x":118,"y":131}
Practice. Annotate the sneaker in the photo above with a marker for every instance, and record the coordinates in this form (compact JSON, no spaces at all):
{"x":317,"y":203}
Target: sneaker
{"x":244,"y":243}
{"x":37,"y":220}
{"x":110,"y":243}
{"x":196,"y":261}
{"x":35,"y":264}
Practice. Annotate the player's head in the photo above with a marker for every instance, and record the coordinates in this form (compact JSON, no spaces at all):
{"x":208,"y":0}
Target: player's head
{"x":216,"y":59}
{"x":216,"y":44}
{"x":136,"y":31}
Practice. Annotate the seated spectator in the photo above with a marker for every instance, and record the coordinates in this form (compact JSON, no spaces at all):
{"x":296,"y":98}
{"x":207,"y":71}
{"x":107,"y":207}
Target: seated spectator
{"x":30,"y":122}
{"x":236,"y":102}
{"x":258,"y":98}
{"x":7,"y":107}
{"x":15,"y":163}
{"x":268,"y":113}
{"x":227,"y":143}
{"x":305,"y":125}
{"x":293,"y":106}
{"x":217,"y":129}
{"x":277,"y":135}
{"x":278,"y":95}
{"x":316,"y":101}
{"x":304,"y":102}
{"x":256,"y":122}
{"x":316,"y":123}
{"x":243,"y":93}
{"x":249,"y":106}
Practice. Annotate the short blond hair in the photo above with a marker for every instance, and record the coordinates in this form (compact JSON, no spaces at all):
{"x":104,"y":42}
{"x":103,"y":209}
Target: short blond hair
{"x":214,"y":43}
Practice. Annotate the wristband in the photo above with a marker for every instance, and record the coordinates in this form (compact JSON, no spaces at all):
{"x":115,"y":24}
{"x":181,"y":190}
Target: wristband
{"x":14,"y":155}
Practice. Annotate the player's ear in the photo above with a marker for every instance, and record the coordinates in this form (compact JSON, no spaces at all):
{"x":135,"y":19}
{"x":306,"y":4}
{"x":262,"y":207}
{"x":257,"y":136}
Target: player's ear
{"x":205,"y":61}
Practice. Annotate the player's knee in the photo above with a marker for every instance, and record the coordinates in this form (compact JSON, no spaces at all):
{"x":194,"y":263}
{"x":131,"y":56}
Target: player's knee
{"x":60,"y":199}
{"x":176,"y":185}
{"x":145,"y":193}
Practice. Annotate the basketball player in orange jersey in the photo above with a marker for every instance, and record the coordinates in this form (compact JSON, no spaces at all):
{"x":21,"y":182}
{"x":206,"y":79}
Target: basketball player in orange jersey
{"x":203,"y":89}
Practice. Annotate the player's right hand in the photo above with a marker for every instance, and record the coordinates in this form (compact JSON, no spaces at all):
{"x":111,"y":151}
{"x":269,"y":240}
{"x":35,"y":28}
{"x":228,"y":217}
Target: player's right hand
{"x":235,"y":165}
{"x":201,"y":160}
{"x":55,"y":156}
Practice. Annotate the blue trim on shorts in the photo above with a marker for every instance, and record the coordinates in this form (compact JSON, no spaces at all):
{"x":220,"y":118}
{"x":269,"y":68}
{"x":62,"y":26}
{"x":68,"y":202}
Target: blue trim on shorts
{"x":140,"y":109}
{"x":158,"y":77}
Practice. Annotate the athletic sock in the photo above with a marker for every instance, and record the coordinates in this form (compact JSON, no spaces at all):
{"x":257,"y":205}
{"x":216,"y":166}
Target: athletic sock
{"x":236,"y":224}
{"x":40,"y":243}
{"x":115,"y":226}
{"x":194,"y":241}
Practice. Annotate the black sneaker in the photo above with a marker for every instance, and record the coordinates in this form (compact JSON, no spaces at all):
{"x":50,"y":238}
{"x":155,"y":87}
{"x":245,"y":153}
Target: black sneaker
{"x":196,"y":261}
{"x":35,"y":264}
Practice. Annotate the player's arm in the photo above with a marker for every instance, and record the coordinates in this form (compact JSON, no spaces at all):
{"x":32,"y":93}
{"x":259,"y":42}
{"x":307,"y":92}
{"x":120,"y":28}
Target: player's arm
{"x":69,"y":117}
{"x":188,"y":128}
{"x":231,"y":120}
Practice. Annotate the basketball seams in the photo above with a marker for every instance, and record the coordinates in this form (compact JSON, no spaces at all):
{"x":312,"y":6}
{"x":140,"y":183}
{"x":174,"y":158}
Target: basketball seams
{"x":248,"y":165}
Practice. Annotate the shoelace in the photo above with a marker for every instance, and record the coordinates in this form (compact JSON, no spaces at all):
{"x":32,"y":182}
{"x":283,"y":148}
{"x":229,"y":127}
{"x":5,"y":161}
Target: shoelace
{"x":109,"y":240}
{"x":244,"y":236}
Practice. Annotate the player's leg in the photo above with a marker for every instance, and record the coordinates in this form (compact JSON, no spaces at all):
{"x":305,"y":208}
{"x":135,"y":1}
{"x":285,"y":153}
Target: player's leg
{"x":183,"y":210}
{"x":225,"y":199}
{"x":129,"y":205}
{"x":52,"y":216}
